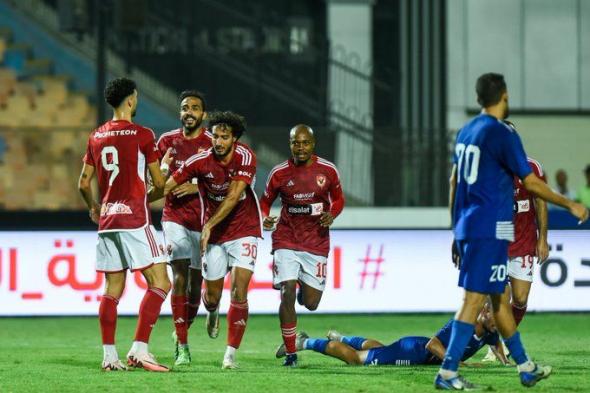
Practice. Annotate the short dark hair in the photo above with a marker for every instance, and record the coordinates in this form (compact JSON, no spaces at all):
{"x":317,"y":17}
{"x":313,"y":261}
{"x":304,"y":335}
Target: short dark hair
{"x":193,"y":93}
{"x":231,"y":119}
{"x":117,"y":90}
{"x":489,"y":88}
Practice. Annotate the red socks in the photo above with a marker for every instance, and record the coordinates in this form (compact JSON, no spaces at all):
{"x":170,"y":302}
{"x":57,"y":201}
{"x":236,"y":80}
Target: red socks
{"x":518,"y":313}
{"x":289,"y":332}
{"x":149,"y":311}
{"x":107,"y":315}
{"x":180,"y":317}
{"x":237,"y":318}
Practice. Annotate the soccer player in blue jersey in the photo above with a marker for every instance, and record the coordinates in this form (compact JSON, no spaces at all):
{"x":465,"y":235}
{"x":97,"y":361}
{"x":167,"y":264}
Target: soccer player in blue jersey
{"x":488,"y":153}
{"x":407,"y":351}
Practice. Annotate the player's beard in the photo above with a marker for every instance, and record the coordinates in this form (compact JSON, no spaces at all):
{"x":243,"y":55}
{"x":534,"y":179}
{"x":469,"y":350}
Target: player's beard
{"x":222,"y":154}
{"x":191,"y":129}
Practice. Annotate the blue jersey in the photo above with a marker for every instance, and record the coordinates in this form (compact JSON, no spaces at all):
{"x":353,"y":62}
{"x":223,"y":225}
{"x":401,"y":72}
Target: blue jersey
{"x":407,"y":351}
{"x":475,"y":343}
{"x":488,"y":154}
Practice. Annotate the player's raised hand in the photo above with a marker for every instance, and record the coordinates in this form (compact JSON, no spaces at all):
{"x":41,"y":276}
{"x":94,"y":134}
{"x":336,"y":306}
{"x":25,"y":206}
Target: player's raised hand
{"x":326,"y":219}
{"x":167,"y":159}
{"x":184,"y":189}
{"x":542,"y":251}
{"x":205,"y":234}
{"x":269,"y":223}
{"x":455,"y":256}
{"x":579,"y":211}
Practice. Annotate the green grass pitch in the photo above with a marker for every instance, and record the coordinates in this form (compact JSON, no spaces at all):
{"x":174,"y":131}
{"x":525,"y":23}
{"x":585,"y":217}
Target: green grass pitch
{"x":64,"y":355}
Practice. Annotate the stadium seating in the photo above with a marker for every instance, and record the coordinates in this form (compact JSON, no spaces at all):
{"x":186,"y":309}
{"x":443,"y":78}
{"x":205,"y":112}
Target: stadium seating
{"x":43,"y":130}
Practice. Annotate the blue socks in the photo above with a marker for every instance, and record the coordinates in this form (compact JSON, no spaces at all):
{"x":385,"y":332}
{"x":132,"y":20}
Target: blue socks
{"x":317,"y":344}
{"x":460,"y":336}
{"x":516,"y":349}
{"x":354,"y":341}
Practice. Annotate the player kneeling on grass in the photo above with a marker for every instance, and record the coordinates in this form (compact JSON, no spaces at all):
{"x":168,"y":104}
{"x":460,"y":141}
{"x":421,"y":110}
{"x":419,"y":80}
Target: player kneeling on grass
{"x":232,"y":225}
{"x":117,"y":153}
{"x":407,"y":351}
{"x":311,"y":197}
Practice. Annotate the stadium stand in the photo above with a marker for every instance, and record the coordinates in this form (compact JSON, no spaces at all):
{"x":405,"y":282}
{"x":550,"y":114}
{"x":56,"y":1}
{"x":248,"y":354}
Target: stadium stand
{"x":43,"y":130}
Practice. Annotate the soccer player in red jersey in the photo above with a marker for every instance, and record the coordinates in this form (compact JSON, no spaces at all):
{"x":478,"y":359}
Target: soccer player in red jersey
{"x":529,"y":246}
{"x":118,"y":152}
{"x":229,"y":237}
{"x":311,"y":197}
{"x":182,"y":220}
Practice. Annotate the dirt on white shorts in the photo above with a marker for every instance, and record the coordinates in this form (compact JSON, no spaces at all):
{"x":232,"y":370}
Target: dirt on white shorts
{"x":299,"y":265}
{"x":134,"y":250}
{"x":221,"y":258}
{"x":522,"y":268}
{"x":182,"y":243}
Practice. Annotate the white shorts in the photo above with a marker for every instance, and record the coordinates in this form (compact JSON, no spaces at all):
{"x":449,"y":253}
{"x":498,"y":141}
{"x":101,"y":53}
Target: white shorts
{"x":220,"y":258}
{"x":522,"y":268}
{"x":134,"y":250}
{"x":299,"y":265}
{"x":182,"y":243}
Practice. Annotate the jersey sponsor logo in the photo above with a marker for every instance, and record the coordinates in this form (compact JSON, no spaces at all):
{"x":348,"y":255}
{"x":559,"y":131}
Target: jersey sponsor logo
{"x":320,"y":180}
{"x":209,"y":175}
{"x":106,"y":134}
{"x":111,"y":209}
{"x":313,"y":209}
{"x":244,"y":173}
{"x":304,"y":195}
{"x":523,"y":206}
{"x":216,"y":198}
{"x":290,"y":183}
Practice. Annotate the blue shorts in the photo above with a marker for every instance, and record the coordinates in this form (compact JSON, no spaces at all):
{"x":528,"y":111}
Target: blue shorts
{"x":406,"y":351}
{"x":484,"y":265}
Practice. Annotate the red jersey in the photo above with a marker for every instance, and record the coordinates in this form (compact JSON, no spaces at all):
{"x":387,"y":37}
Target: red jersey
{"x":120,"y":151}
{"x":214,"y":178}
{"x":188,"y":210}
{"x":306,"y":192}
{"x":525,"y":217}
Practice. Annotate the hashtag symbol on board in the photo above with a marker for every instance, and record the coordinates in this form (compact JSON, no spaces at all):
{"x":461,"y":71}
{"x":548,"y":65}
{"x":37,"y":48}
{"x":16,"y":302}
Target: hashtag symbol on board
{"x":371,"y":267}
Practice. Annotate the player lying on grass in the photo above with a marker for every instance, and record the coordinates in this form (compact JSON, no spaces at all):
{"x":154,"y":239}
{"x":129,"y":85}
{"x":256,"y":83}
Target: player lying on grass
{"x":407,"y":351}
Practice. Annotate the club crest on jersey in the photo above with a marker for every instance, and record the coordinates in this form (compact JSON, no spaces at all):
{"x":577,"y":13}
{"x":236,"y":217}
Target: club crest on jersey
{"x":321,"y":180}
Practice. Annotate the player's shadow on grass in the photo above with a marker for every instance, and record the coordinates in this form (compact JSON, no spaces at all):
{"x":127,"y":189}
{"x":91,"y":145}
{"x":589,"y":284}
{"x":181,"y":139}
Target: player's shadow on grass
{"x":74,"y":362}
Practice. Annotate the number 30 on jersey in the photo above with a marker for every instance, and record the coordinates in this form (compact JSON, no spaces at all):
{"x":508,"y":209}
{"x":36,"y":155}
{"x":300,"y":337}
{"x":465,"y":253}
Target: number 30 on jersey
{"x":467,"y":162}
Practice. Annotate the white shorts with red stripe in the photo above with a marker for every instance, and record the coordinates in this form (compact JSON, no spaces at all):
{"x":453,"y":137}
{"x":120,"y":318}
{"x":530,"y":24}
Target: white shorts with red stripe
{"x":134,"y":250}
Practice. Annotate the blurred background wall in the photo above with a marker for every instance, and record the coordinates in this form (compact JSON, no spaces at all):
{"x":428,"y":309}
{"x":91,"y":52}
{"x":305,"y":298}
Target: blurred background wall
{"x":386,"y":84}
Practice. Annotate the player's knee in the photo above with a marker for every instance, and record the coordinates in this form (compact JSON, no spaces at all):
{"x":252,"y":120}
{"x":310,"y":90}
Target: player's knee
{"x":354,"y":360}
{"x":312,"y":305}
{"x":520,"y":300}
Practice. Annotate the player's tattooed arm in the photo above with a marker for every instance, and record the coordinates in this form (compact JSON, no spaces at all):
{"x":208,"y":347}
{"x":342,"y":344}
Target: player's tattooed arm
{"x":542,"y":245}
{"x":436,"y":347}
{"x":85,"y":188}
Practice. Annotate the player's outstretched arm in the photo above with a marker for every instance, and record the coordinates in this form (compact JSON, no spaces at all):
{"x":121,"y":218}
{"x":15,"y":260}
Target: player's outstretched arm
{"x":542,"y":223}
{"x":498,"y":350}
{"x":436,"y":347}
{"x":538,"y":187}
{"x":85,"y":188}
